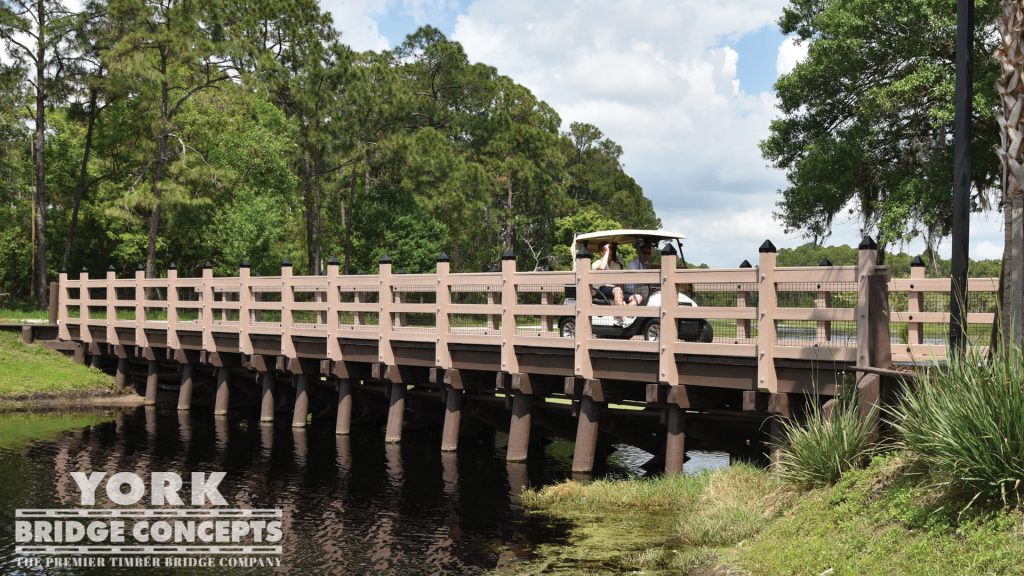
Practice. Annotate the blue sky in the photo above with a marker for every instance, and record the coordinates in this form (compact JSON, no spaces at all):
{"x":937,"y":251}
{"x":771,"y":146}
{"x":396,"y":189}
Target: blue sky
{"x":684,"y":86}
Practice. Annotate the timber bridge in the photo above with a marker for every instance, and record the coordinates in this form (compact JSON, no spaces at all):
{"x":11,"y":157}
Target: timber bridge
{"x":435,"y":347}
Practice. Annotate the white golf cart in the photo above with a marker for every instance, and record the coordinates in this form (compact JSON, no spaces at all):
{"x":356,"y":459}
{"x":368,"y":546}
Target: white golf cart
{"x":690,"y":330}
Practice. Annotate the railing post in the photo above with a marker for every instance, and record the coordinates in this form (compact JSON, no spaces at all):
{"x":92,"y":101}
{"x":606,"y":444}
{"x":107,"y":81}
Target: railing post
{"x":743,"y":300}
{"x":172,"y":307}
{"x":140,"y":309}
{"x":767,"y":302}
{"x":584,"y":303}
{"x":509,"y":361}
{"x":867,"y":256}
{"x":55,"y":298}
{"x":206,"y":314}
{"x":443,"y":357}
{"x":287,"y":298}
{"x":62,"y":308}
{"x":244,"y":314}
{"x":333,"y":304}
{"x":914,"y":297}
{"x":83,"y":307}
{"x":112,"y":339}
{"x":668,"y":372}
{"x":386,"y":302}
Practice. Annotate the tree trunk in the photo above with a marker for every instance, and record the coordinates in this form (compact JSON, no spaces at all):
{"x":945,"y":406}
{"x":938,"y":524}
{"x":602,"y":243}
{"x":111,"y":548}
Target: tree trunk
{"x":42,"y":299}
{"x":1011,"y":154}
{"x":307,"y":198}
{"x":158,"y":171}
{"x":83,"y":181}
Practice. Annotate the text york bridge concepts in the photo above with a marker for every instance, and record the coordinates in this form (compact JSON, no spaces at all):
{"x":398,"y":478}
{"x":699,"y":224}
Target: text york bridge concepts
{"x":127,"y":530}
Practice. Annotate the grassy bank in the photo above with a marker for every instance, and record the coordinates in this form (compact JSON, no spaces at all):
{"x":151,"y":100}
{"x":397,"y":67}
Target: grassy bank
{"x":31,"y":372}
{"x":885,"y":519}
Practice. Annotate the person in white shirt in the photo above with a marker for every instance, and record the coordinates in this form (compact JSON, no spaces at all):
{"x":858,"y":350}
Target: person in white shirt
{"x":641,"y":262}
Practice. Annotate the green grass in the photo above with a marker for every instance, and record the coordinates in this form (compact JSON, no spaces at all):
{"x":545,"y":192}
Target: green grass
{"x":15,"y":315}
{"x":31,"y":371}
{"x":884,"y":519}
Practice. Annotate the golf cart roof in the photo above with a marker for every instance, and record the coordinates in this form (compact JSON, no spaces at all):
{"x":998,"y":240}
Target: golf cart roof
{"x":626,"y":236}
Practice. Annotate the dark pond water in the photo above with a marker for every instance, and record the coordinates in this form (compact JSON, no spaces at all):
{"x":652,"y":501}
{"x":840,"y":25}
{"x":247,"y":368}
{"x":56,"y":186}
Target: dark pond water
{"x":350,"y":504}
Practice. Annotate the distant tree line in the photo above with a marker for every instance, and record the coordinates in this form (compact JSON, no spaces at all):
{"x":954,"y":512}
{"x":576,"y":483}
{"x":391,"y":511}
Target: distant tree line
{"x":144,"y":132}
{"x":811,"y":254}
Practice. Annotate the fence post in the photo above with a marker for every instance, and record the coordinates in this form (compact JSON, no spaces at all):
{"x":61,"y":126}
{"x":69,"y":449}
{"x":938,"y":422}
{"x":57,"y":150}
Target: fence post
{"x":333,"y":303}
{"x":172,"y":307}
{"x":385,"y":299}
{"x":55,"y":298}
{"x":141,"y":340}
{"x":869,"y":386}
{"x":668,"y":372}
{"x":914,"y":301}
{"x":509,"y":361}
{"x":206,"y":314}
{"x":743,"y":300}
{"x":112,"y":339}
{"x":443,"y":357}
{"x":584,"y":368}
{"x":83,"y":308}
{"x":767,"y":302}
{"x":244,"y":314}
{"x":62,"y":309}
{"x":823,"y":299}
{"x":287,"y":298}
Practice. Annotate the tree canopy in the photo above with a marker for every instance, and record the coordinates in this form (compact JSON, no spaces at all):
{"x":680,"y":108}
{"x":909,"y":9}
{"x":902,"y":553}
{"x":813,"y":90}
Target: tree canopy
{"x":248,"y":131}
{"x":867,"y":118}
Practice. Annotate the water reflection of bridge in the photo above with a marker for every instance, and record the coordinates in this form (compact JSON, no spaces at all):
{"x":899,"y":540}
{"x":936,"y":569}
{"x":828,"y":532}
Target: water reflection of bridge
{"x":488,"y":346}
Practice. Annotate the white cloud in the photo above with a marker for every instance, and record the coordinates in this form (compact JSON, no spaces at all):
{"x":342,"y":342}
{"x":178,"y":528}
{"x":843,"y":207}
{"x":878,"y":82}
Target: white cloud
{"x":357,"y":21}
{"x":661,"y":80}
{"x":790,"y":54}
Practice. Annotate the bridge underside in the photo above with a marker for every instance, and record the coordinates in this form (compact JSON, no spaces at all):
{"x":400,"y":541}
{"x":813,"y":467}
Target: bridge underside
{"x":716,"y":407}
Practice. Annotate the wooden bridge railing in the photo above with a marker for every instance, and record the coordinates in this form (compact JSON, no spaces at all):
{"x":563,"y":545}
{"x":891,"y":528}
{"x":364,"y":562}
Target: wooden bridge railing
{"x":765,"y":313}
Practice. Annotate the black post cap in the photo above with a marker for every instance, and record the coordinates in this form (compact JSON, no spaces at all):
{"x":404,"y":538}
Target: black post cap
{"x":583,"y":252}
{"x":767,"y":248}
{"x":403,"y":271}
{"x":917,"y":262}
{"x":207,"y":265}
{"x":244,"y":264}
{"x":140,"y":268}
{"x":508,"y":255}
{"x":385,"y":259}
{"x":745,"y":264}
{"x":286,"y":263}
{"x":173,"y":266}
{"x":825,"y":262}
{"x":442,"y":257}
{"x":85,"y":270}
{"x":63,"y":269}
{"x":110,"y":268}
{"x":333,"y":261}
{"x":669,"y":250}
{"x":867,"y":243}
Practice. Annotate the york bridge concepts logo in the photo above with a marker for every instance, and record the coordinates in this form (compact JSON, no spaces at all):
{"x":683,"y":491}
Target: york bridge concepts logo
{"x":166,"y":534}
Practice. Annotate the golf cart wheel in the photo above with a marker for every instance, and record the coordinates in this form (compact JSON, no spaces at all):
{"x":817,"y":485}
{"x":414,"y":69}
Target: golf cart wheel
{"x":567,"y":328}
{"x":652,"y":330}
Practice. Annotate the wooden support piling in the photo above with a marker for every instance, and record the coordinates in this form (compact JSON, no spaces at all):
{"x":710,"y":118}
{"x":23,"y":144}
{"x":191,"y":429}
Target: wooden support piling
{"x":152,"y":378}
{"x":519,"y":429}
{"x":675,"y":440}
{"x":396,"y":411}
{"x":220,"y":406}
{"x":96,"y":360}
{"x":121,"y":375}
{"x":267,"y":402}
{"x":586,"y":436}
{"x":301,"y":409}
{"x":185,"y":391}
{"x":452,"y":420}
{"x":344,"y":421}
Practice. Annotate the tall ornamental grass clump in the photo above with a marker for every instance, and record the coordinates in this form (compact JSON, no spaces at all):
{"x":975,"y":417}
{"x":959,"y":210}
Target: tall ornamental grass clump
{"x":965,"y":422}
{"x":817,"y":450}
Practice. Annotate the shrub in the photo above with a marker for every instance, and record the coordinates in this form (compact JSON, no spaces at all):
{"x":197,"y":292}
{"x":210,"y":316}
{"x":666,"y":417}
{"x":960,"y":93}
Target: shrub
{"x":816,"y":451}
{"x":965,"y":422}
